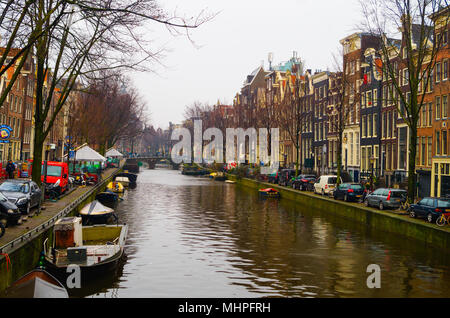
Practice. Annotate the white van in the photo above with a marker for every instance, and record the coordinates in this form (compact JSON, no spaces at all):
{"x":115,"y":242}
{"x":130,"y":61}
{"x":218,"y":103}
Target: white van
{"x":325,"y":185}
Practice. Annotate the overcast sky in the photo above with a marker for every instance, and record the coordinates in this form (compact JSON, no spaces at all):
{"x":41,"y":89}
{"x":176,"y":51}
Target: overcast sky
{"x":234,"y":43}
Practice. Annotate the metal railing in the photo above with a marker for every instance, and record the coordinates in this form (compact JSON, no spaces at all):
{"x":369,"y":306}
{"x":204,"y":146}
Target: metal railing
{"x":32,"y":234}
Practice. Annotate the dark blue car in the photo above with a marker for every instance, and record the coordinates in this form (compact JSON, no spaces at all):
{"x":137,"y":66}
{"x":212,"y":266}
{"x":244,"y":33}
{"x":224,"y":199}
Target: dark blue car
{"x":349,"y":192}
{"x":430,"y":208}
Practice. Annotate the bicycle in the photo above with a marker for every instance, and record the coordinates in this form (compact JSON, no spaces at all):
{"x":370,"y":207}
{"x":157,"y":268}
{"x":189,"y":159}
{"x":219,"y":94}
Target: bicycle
{"x":440,"y":221}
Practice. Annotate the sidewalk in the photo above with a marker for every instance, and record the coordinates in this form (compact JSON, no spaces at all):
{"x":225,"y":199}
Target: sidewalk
{"x":51,"y":209}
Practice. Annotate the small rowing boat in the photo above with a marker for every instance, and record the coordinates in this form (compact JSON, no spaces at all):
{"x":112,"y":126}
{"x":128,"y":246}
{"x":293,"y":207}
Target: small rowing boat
{"x":37,"y":284}
{"x":108,"y":198}
{"x":269,"y":193}
{"x":115,"y":187}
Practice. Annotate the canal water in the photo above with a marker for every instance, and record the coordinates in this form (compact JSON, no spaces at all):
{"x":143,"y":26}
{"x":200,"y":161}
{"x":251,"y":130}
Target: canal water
{"x":193,"y":237}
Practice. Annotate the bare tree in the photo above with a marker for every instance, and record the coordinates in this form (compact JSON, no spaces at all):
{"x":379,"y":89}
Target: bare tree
{"x":90,"y":37}
{"x":417,"y":22}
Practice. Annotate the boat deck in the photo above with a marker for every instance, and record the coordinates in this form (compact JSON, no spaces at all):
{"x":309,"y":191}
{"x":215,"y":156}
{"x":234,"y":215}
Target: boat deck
{"x":95,"y":254}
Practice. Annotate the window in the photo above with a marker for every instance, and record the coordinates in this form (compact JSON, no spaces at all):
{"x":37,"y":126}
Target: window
{"x":438,"y":72}
{"x":424,"y":115}
{"x":375,"y":97}
{"x":444,"y":106}
{"x":438,"y":143}
{"x":424,"y":150}
{"x":375,"y":125}
{"x":430,"y":113}
{"x":444,"y":142}
{"x":389,"y":127}
{"x":364,"y":126}
{"x":445,"y":70}
{"x":430,"y":150}
{"x":369,"y":99}
{"x":383,"y":125}
{"x":438,"y":107}
{"x":405,"y":77}
{"x":370,"y":124}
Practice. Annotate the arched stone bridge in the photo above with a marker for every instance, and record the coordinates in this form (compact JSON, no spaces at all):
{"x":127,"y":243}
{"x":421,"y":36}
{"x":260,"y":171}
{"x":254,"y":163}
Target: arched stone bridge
{"x":134,"y":164}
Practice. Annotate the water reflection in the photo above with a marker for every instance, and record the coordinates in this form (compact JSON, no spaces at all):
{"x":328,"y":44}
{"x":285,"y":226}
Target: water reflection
{"x":193,"y":237}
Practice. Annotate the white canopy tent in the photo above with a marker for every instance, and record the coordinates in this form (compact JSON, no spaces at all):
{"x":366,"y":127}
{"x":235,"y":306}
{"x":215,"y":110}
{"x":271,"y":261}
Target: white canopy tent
{"x":113,"y":153}
{"x":86,"y":153}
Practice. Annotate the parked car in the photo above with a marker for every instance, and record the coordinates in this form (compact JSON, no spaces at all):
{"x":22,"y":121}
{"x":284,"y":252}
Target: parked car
{"x":9,"y":211}
{"x":430,"y":208}
{"x":273,"y":178}
{"x":349,"y":192}
{"x":285,"y":176}
{"x":304,"y":182}
{"x":386,"y":198}
{"x":25,"y":194}
{"x":325,"y":184}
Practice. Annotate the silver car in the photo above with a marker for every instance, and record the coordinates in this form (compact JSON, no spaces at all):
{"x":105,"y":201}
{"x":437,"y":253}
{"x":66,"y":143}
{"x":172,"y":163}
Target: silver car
{"x":386,"y":198}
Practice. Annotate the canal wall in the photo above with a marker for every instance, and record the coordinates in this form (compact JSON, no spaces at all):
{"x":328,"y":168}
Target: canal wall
{"x":375,"y":220}
{"x":24,"y":252}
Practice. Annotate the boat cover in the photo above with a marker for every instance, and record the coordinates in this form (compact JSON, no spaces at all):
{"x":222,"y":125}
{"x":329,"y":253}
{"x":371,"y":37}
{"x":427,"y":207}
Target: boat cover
{"x":37,"y":288}
{"x":95,"y":208}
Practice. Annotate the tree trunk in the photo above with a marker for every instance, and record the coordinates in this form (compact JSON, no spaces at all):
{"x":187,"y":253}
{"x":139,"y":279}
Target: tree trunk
{"x":339,"y":161}
{"x":37,"y":154}
{"x":412,"y":182}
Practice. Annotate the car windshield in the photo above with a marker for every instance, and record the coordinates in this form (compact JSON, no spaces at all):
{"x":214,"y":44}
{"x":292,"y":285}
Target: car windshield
{"x":53,"y":171}
{"x":443,"y":203}
{"x":14,"y":187}
{"x":356,"y":187}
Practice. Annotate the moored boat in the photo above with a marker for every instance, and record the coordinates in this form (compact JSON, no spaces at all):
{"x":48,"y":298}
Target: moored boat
{"x":95,"y":249}
{"x":96,"y":213}
{"x":115,"y":187}
{"x":37,"y":284}
{"x":220,"y":176}
{"x":230,"y":181}
{"x":269,"y":193}
{"x":123,"y":180}
{"x":108,"y":198}
{"x":131,"y":176}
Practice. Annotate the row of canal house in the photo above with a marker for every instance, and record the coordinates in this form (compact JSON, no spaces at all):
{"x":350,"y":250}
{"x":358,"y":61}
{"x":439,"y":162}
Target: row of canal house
{"x":375,"y":138}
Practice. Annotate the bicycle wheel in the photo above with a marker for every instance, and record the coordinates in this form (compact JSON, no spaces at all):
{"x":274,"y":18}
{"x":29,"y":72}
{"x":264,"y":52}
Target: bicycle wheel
{"x":440,"y":221}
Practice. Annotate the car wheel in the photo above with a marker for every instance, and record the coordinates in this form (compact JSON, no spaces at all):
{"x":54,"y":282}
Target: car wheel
{"x":2,"y":229}
{"x":28,"y":208}
{"x":430,"y":218}
{"x":381,"y":206}
{"x":323,"y":192}
{"x":366,"y":203}
{"x":412,"y":214}
{"x":345,"y":198}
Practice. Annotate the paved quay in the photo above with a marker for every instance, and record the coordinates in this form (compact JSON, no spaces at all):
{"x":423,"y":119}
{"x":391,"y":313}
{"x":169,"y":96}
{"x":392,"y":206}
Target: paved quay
{"x":50,"y":211}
